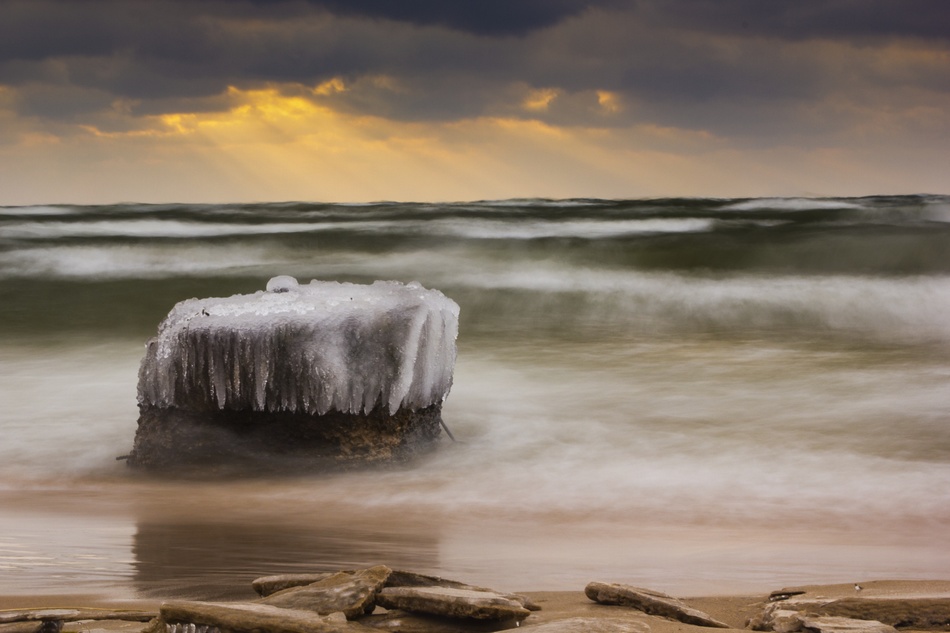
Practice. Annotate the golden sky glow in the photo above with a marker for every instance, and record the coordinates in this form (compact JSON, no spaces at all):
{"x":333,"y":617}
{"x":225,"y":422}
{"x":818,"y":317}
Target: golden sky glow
{"x":270,"y":146}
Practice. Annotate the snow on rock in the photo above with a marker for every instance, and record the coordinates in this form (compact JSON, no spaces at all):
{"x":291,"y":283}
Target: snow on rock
{"x":305,"y":348}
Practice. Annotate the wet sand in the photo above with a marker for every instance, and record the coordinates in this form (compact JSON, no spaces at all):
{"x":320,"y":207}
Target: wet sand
{"x":208,"y":541}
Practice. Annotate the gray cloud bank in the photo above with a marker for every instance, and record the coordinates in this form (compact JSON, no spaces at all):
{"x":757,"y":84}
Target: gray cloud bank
{"x":760,"y":72}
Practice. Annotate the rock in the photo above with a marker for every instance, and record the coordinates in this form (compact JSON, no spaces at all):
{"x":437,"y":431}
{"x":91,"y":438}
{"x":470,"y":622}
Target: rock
{"x":405,"y":622}
{"x":780,"y":621}
{"x":903,"y":604}
{"x":590,"y":625}
{"x":784,"y":594}
{"x":650,"y":602}
{"x":54,"y":620}
{"x":245,"y":617}
{"x":412,"y":579}
{"x":452,"y":602}
{"x":177,"y":442}
{"x":73,"y":615}
{"x":266,"y":585}
{"x":832,"y":624}
{"x":912,"y":613}
{"x":787,"y":621}
{"x":97,"y":626}
{"x":156,"y":625}
{"x":323,"y":375}
{"x":31,"y":627}
{"x":353,"y":593}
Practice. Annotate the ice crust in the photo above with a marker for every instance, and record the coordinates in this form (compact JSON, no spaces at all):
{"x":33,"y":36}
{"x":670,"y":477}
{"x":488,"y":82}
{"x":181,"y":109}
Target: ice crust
{"x":305,"y":348}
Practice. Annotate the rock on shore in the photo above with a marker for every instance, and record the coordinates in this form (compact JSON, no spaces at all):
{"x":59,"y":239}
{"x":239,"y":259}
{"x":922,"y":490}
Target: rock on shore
{"x":345,"y":600}
{"x":876,"y":607}
{"x":321,"y":606}
{"x":650,"y":602}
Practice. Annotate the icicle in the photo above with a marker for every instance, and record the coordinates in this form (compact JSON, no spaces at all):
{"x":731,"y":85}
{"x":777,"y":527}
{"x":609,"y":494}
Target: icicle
{"x":310,"y":348}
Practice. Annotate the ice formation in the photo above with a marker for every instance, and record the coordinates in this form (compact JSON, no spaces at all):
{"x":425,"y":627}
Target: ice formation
{"x":305,"y":348}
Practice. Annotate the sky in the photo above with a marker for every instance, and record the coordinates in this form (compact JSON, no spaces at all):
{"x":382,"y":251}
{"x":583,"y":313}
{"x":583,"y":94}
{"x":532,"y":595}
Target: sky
{"x":105,"y":101}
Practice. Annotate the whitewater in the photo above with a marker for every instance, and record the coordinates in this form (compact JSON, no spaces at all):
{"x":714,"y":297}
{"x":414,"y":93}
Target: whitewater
{"x":687,"y":394}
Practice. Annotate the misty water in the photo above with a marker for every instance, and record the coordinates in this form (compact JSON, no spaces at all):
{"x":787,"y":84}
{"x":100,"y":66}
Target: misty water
{"x":693,"y":395}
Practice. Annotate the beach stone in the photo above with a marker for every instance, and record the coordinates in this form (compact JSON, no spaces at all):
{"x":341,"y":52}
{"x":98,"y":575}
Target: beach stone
{"x":73,"y":615}
{"x":452,"y":602}
{"x":833,"y":624}
{"x":353,"y":593}
{"x":650,"y":602}
{"x":788,"y":621}
{"x":266,"y":585}
{"x":411,"y":579}
{"x":590,"y":625}
{"x":785,"y":621}
{"x":405,"y":622}
{"x":902,"y":604}
{"x":31,"y":627}
{"x":246,"y":617}
{"x":102,"y":626}
{"x":912,"y":613}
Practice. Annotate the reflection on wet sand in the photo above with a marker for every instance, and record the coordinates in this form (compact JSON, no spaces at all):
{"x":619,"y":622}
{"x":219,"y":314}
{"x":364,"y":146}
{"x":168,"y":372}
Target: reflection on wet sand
{"x":211,"y":559}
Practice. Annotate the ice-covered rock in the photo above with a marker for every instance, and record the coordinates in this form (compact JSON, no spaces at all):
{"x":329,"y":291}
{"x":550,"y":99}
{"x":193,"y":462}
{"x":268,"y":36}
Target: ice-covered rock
{"x":325,"y":355}
{"x":305,"y":348}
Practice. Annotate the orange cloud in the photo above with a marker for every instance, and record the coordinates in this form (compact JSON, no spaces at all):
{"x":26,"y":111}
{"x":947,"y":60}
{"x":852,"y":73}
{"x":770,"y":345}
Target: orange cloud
{"x":330,"y":87}
{"x":609,"y":101}
{"x":538,"y":100}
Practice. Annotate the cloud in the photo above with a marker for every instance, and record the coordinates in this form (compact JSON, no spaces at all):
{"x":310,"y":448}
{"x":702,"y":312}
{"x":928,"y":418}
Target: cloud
{"x":854,"y":20}
{"x":715,"y":63}
{"x":635,"y":80}
{"x":485,"y":17}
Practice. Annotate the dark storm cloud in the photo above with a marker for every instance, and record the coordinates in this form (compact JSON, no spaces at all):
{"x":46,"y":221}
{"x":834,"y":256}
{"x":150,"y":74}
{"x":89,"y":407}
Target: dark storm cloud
{"x":837,"y":19}
{"x":731,"y":66}
{"x":482,"y":17}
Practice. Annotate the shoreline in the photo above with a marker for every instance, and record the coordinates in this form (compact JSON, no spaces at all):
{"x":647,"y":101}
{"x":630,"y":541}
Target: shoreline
{"x":734,"y":610}
{"x":149,"y":539}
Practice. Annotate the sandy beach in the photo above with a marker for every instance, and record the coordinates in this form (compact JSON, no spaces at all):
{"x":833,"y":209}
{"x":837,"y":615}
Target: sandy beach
{"x":734,"y":610}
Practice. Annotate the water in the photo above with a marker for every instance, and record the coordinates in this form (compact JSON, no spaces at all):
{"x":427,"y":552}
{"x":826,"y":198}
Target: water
{"x":693,"y":395}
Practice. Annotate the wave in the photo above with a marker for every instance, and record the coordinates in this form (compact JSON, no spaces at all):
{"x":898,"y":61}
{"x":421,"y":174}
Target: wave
{"x":937,"y":211}
{"x":531,"y":299}
{"x":198,"y":218}
{"x":642,"y":268}
{"x":583,"y":229}
{"x":791,"y":204}
{"x":157,"y":229}
{"x":122,"y":262}
{"x":537,"y":202}
{"x":908,"y":310}
{"x":472,"y":228}
{"x":38,"y":210}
